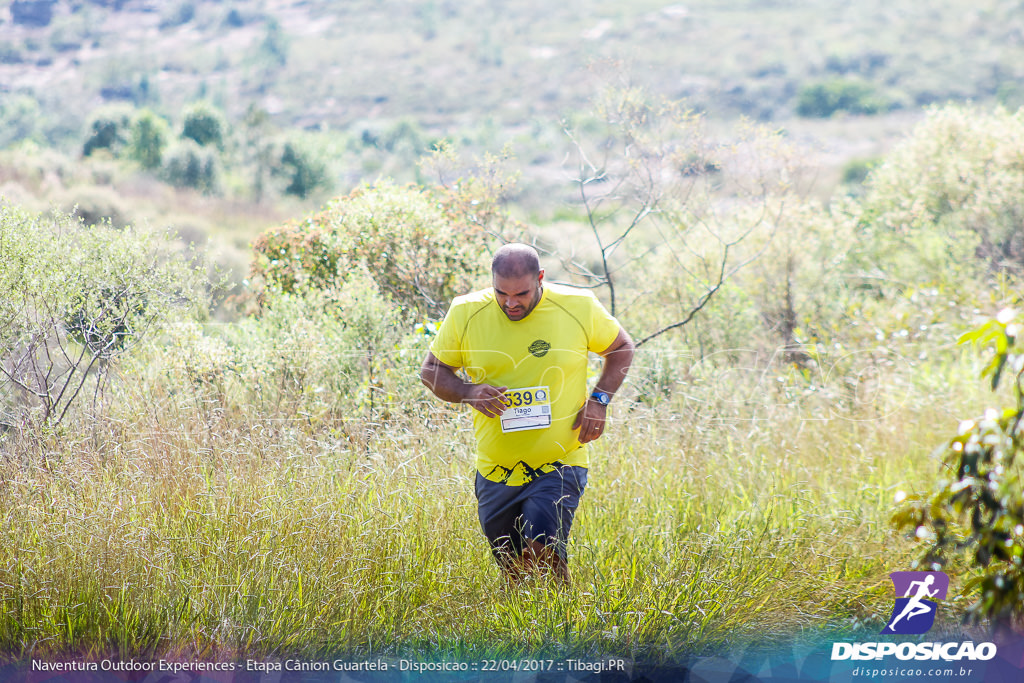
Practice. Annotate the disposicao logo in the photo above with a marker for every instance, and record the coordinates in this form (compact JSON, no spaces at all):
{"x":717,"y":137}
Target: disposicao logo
{"x":914,"y":612}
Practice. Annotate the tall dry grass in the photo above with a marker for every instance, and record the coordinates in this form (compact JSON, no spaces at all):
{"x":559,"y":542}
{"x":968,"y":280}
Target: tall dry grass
{"x":714,"y":518}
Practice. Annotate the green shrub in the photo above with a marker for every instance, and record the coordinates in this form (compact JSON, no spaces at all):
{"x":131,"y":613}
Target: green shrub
{"x":422,"y":247}
{"x":856,"y":171}
{"x":19,"y":119}
{"x":314,"y":351}
{"x":822,"y":100}
{"x":109,"y":128}
{"x":1010,"y":95}
{"x":11,"y":53}
{"x":178,"y":15}
{"x":404,"y":132}
{"x":73,"y":300}
{"x":275,"y":44}
{"x":204,"y":124}
{"x":189,"y":165}
{"x":95,"y":205}
{"x":71,"y":32}
{"x":957,"y":184}
{"x":149,"y":136}
{"x":234,"y":19}
{"x":128,"y":81}
{"x":977,"y":509}
{"x":302,"y":170}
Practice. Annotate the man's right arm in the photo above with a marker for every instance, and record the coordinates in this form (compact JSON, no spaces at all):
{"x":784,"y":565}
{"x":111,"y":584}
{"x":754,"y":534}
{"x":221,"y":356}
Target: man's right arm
{"x":447,"y":386}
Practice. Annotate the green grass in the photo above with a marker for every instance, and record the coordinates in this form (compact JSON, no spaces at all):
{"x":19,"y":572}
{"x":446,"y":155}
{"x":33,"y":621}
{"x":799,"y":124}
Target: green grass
{"x":174,"y":531}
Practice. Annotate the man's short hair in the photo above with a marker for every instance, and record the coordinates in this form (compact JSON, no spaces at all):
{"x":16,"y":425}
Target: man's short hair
{"x":515,"y":260}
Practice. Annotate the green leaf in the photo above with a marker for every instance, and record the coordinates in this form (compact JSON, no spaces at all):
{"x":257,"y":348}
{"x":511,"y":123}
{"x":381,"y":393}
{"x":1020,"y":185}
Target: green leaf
{"x":999,"y":370}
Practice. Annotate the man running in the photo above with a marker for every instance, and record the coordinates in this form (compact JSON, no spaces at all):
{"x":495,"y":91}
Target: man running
{"x":524,"y":346}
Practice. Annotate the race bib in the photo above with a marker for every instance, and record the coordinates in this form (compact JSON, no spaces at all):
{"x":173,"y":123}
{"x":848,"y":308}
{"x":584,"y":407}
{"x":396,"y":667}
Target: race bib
{"x":528,"y":408}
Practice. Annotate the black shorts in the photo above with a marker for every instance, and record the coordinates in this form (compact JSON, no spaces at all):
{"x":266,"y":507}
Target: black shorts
{"x":541,"y":510}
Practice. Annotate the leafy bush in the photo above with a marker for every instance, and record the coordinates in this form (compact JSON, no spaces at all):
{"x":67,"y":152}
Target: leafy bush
{"x":19,"y":119}
{"x":957,"y":181}
{"x":72,"y":32}
{"x":822,"y":100}
{"x":856,"y":171}
{"x":189,"y":165}
{"x":422,"y":247}
{"x":315,"y":351}
{"x":149,"y":137}
{"x":11,"y":53}
{"x":94,"y":205}
{"x":405,"y":132}
{"x":302,"y":170}
{"x":977,"y":510}
{"x":1010,"y":95}
{"x":128,"y":82}
{"x":274,"y":47}
{"x":109,"y":129}
{"x":73,"y":300}
{"x":178,"y":15}
{"x":204,"y":124}
{"x":234,"y":19}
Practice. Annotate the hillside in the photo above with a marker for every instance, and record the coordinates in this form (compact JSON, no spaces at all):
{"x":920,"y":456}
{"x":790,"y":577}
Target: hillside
{"x":375,"y":84}
{"x":451,"y":65}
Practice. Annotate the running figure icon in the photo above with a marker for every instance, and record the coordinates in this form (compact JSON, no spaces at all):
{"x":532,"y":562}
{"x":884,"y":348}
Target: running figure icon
{"x":915,"y":606}
{"x":914,"y":612}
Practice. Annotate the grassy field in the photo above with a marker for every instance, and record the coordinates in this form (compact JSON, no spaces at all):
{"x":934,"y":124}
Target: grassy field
{"x":178,"y":529}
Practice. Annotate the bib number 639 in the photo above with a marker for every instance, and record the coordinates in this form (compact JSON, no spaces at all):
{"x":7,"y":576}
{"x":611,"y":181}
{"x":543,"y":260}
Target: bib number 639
{"x":517,"y":398}
{"x":528,"y":408}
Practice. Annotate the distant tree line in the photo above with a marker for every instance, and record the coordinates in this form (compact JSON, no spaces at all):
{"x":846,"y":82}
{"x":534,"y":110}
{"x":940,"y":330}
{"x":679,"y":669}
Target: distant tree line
{"x":194,"y":152}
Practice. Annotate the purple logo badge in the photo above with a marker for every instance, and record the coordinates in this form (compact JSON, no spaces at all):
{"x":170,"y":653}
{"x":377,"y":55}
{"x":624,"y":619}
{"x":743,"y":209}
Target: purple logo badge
{"x":914,"y":611}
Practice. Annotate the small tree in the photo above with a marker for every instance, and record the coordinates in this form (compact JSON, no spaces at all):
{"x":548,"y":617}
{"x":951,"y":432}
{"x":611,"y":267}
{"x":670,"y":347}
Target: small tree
{"x":303,"y":171}
{"x":650,"y":180}
{"x":257,"y":152}
{"x":149,"y":136}
{"x":204,"y":124}
{"x":977,"y":510}
{"x":189,"y":165}
{"x":822,"y":100}
{"x":73,"y":300}
{"x":109,"y":129}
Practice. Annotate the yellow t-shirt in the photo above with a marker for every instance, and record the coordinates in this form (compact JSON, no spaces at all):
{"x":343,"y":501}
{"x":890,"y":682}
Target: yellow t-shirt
{"x":544,"y":357}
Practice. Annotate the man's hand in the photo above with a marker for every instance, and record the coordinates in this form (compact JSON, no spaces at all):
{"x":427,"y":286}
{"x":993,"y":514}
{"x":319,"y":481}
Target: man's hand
{"x":442,"y":380}
{"x":488,"y":400}
{"x":590,"y":421}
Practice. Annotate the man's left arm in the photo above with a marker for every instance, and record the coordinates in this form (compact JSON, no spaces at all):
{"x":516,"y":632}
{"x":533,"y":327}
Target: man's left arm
{"x":617,"y":359}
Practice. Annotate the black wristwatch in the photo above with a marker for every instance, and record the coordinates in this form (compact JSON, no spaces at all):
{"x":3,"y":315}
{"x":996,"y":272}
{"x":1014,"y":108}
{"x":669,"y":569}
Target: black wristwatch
{"x":601,"y":397}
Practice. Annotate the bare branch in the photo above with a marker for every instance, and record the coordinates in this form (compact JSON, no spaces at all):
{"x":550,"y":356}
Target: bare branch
{"x":81,"y":383}
{"x":701,"y":303}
